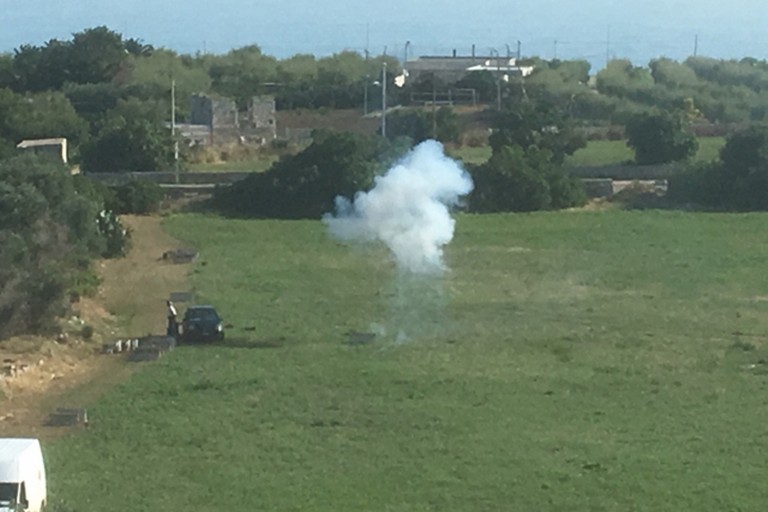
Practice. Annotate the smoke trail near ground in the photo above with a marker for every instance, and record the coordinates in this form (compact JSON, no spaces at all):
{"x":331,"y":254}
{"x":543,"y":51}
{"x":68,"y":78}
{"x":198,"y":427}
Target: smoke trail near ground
{"x":408,"y":209}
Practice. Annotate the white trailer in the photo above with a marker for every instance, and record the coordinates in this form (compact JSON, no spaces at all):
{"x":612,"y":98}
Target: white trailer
{"x":22,"y":475}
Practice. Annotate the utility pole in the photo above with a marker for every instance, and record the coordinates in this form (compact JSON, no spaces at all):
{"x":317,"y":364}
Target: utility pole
{"x":696,"y":45}
{"x":608,"y":46}
{"x":173,"y":131}
{"x":434,"y":107}
{"x":498,"y":78}
{"x":384,"y":99}
{"x":519,"y":50}
{"x":365,"y":89}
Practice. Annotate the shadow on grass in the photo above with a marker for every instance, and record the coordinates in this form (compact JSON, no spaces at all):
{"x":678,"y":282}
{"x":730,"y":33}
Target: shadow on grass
{"x":638,"y":197}
{"x":238,"y":342}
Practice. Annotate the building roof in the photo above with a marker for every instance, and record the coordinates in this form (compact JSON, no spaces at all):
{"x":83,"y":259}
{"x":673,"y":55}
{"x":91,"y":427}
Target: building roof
{"x":32,"y":143}
{"x":453,"y":68}
{"x":11,"y":451}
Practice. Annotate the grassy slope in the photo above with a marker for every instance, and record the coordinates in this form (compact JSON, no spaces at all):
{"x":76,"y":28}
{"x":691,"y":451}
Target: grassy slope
{"x":580,"y":361}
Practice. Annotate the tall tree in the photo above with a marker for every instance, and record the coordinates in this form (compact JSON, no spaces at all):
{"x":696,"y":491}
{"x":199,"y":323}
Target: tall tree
{"x":660,"y":137}
{"x":537,"y":125}
{"x":97,"y":55}
{"x":133,"y":137}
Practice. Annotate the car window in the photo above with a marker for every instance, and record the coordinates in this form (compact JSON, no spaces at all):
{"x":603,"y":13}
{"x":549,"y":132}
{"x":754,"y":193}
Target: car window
{"x":201,"y":314}
{"x":8,"y":492}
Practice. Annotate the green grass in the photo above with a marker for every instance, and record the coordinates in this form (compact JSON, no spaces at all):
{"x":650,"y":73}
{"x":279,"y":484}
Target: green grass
{"x":597,"y":153}
{"x":611,"y":152}
{"x":257,"y":165}
{"x":580,"y":361}
{"x":471,"y":155}
{"x":709,"y":148}
{"x":601,"y":152}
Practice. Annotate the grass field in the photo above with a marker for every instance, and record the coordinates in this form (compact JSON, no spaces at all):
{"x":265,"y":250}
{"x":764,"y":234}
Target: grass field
{"x":598,"y":152}
{"x":258,"y":165}
{"x":575,"y":361}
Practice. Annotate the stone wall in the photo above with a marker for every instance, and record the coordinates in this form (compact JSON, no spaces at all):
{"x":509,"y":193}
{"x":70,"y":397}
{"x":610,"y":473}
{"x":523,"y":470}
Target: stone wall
{"x":186,"y":178}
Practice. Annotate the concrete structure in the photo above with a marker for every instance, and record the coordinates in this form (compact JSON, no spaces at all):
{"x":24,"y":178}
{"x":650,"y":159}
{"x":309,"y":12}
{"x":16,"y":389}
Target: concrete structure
{"x":453,"y":69}
{"x":55,"y":148}
{"x":194,"y":134}
{"x":223,"y":121}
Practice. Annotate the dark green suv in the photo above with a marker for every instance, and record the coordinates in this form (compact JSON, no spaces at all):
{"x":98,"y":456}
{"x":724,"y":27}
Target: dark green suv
{"x":201,"y":323}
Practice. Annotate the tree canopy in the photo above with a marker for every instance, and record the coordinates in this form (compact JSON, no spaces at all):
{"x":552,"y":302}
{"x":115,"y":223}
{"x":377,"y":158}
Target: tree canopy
{"x":49,"y":233}
{"x":660,"y":137}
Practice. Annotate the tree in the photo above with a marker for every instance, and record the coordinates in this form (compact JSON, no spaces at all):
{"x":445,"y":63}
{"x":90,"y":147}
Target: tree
{"x":305,"y":185}
{"x":660,"y":137}
{"x":93,"y":56}
{"x":620,"y":78}
{"x":412,"y":123}
{"x":6,"y":70}
{"x":673,"y":74}
{"x":48,"y":235}
{"x":133,"y":138}
{"x":241,"y":73}
{"x":96,"y":55}
{"x":744,"y":174}
{"x":43,"y":115}
{"x":154,"y":73}
{"x":483,"y":82}
{"x":446,"y":123}
{"x":516,"y":180}
{"x":738,"y":181}
{"x":138,"y":48}
{"x":536,"y":125}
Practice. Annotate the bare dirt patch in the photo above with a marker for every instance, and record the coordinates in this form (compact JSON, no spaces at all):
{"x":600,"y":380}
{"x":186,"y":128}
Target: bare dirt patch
{"x":68,"y":370}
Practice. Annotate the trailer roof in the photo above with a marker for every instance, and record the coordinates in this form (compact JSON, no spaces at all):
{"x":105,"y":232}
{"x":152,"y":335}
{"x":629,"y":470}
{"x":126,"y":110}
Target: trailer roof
{"x":12,"y":448}
{"x":12,"y":454}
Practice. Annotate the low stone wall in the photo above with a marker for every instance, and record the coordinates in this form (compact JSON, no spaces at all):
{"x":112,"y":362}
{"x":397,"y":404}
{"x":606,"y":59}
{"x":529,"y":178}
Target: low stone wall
{"x":625,"y":172}
{"x":599,"y":187}
{"x":169,"y":178}
{"x":206,"y":182}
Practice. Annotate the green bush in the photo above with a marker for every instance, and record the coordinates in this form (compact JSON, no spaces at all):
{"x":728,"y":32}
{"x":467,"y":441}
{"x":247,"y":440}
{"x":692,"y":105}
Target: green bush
{"x":86,"y":284}
{"x":50,"y":229}
{"x":661,"y":137}
{"x":517,"y":181}
{"x":420,"y":125}
{"x":117,"y":236}
{"x":132,"y":137}
{"x":87,"y":332}
{"x":700,"y":184}
{"x":305,"y":185}
{"x":737,"y":182}
{"x":136,"y":197}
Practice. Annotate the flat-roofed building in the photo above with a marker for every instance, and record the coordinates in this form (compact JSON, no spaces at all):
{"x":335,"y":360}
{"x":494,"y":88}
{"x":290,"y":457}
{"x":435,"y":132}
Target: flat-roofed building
{"x":56,"y":148}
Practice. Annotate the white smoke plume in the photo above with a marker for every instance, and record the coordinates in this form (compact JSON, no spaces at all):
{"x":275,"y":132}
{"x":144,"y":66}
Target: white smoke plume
{"x":408,"y":209}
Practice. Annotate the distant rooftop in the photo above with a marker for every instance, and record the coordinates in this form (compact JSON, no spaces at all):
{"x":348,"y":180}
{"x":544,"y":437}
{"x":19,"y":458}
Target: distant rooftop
{"x":33,"y":143}
{"x":51,"y":147}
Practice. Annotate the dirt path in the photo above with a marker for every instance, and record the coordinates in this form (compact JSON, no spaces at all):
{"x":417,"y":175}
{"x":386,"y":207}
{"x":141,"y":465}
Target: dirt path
{"x":130,"y":303}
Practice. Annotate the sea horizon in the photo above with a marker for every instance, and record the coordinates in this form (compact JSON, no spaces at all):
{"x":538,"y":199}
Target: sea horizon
{"x":595,"y":30}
